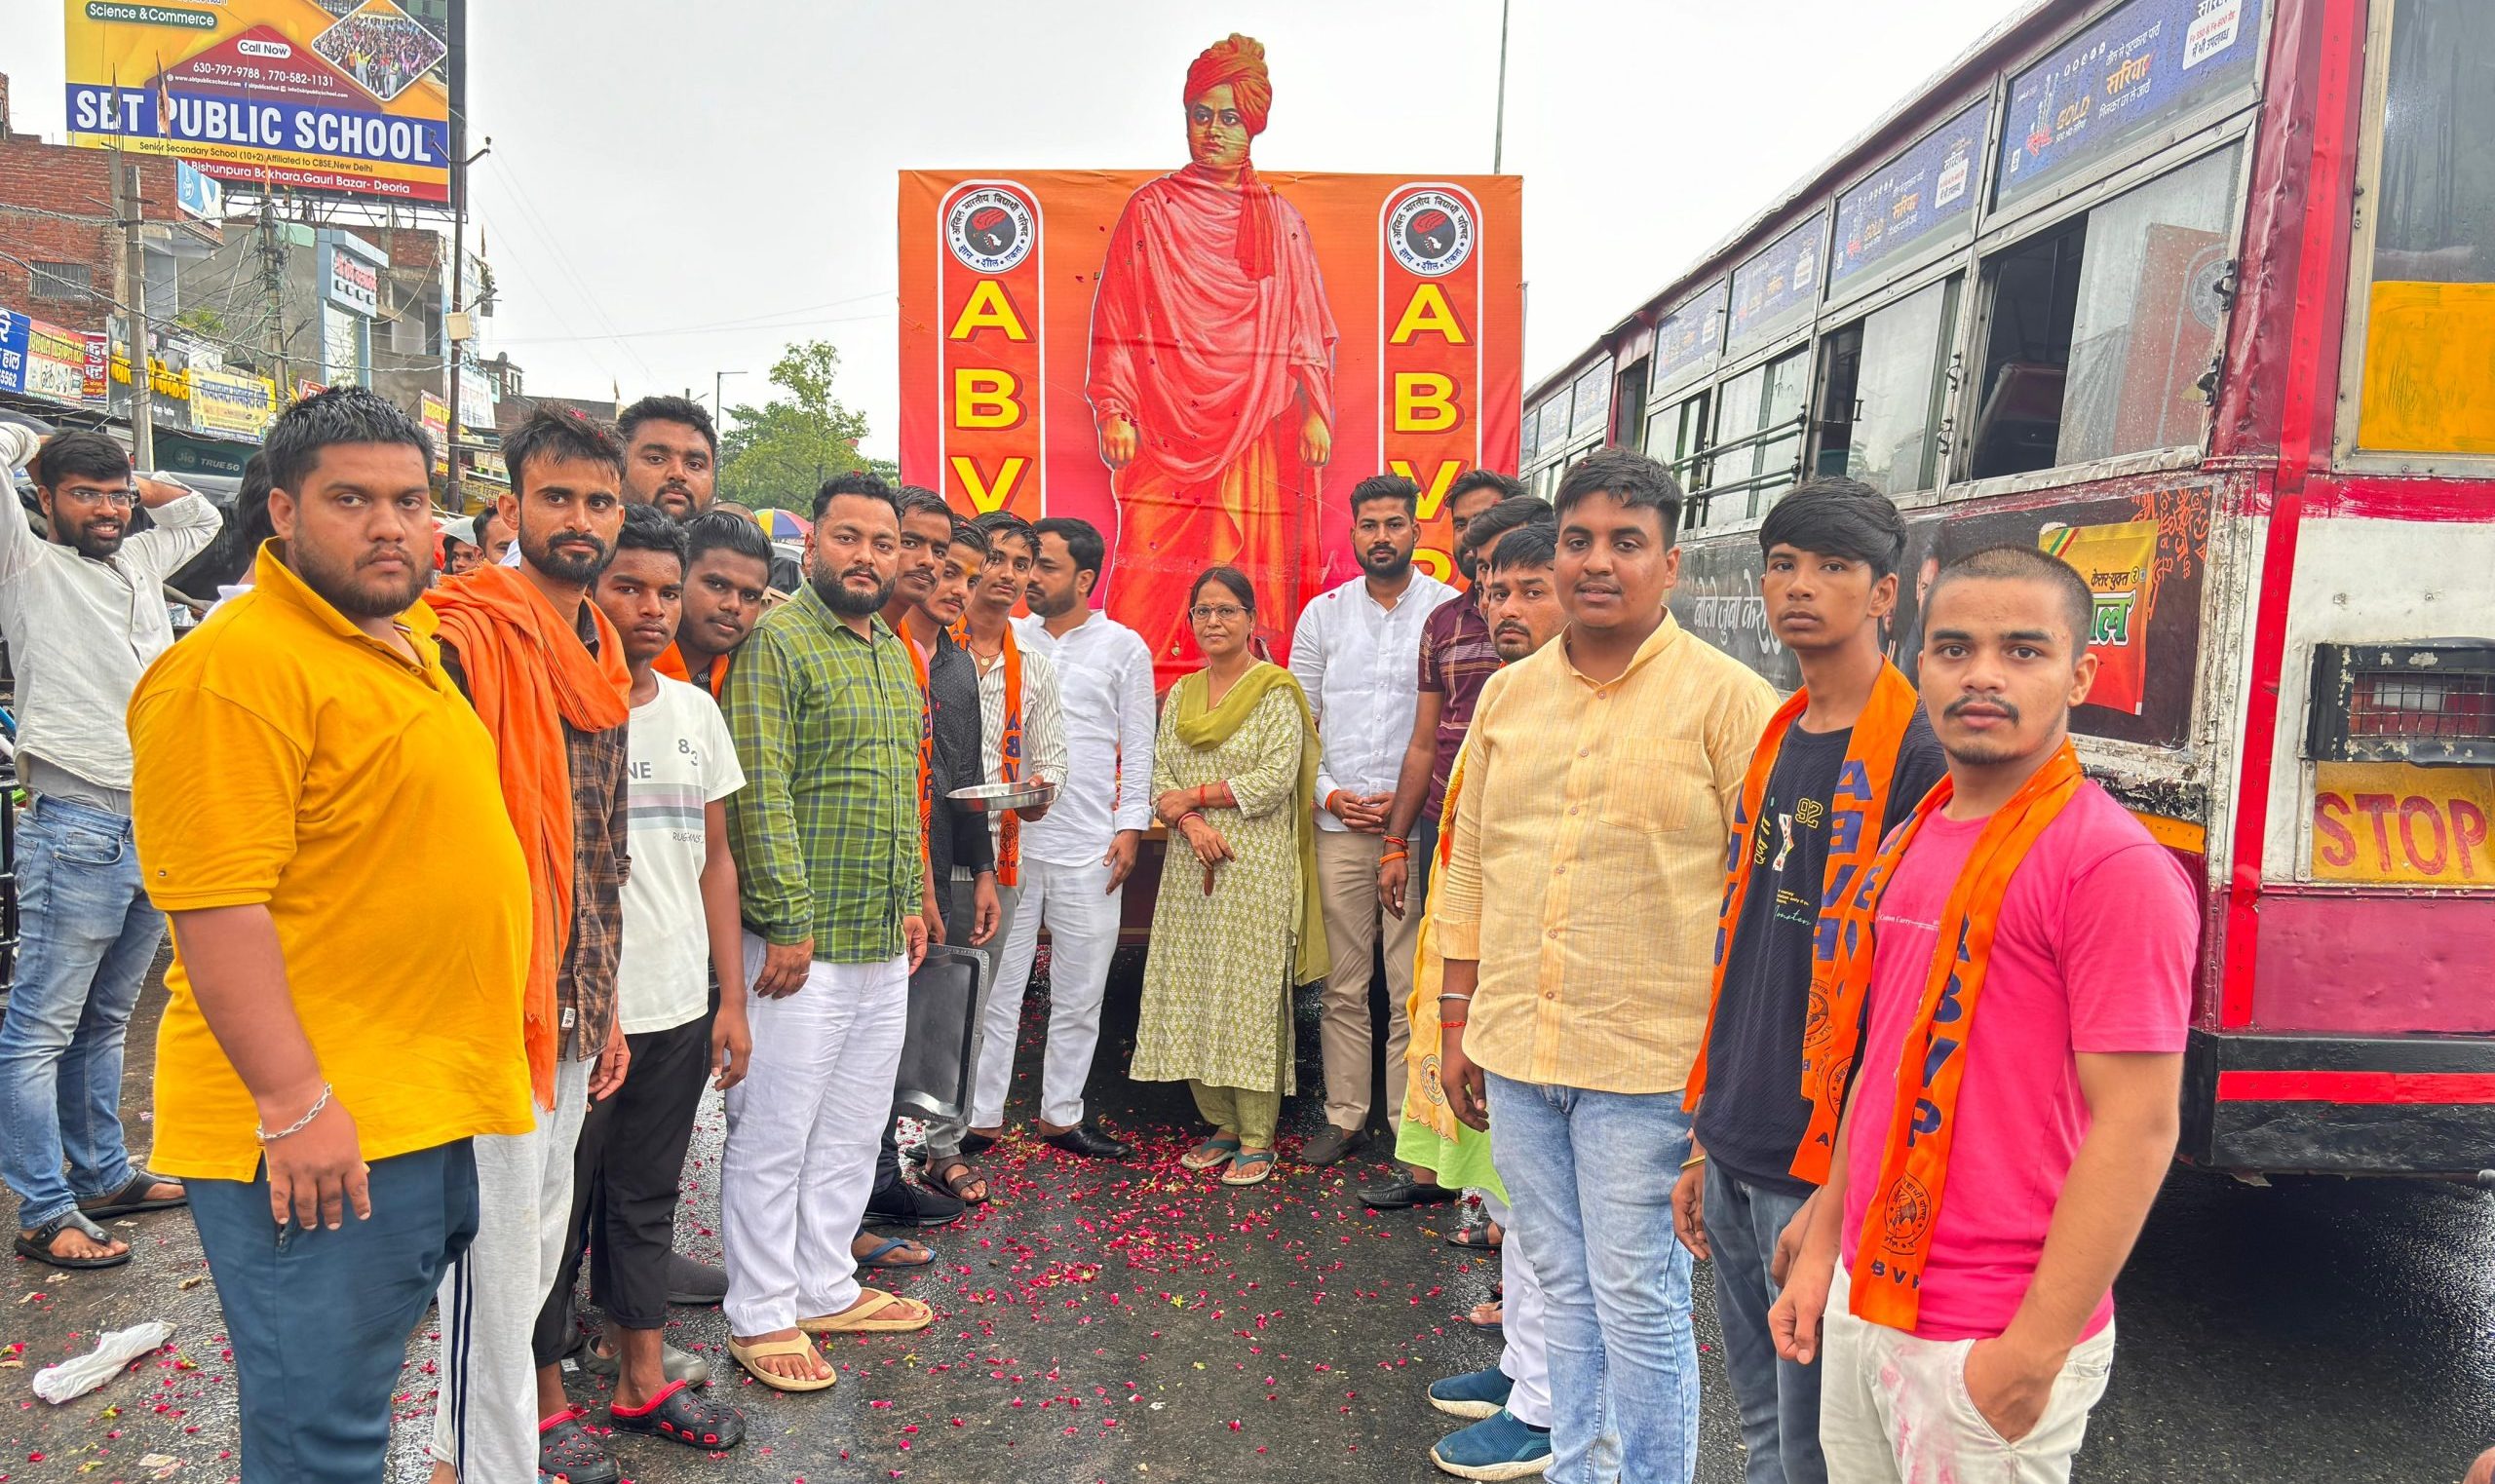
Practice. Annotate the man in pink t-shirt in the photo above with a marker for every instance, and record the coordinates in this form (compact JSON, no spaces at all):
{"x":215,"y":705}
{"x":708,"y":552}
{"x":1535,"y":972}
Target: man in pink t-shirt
{"x":2072,"y":1071}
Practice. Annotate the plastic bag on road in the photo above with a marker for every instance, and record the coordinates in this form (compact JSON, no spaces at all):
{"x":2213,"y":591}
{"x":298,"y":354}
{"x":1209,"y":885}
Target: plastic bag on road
{"x":57,"y":1384}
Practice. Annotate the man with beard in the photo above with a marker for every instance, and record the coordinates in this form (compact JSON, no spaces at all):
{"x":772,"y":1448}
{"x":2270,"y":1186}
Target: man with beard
{"x":546,"y":674}
{"x":83,"y":617}
{"x":947,"y":759}
{"x":301,"y":760}
{"x":824,"y":711}
{"x":1356,"y":654}
{"x":670,"y":455}
{"x":1075,"y":862}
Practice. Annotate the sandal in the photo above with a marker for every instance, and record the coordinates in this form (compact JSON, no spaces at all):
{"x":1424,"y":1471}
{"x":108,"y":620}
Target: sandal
{"x":746,"y":1355}
{"x":1486,"y":1237}
{"x":879,"y":1256}
{"x":1251,"y":1167}
{"x":1500,"y":1309}
{"x":36,"y":1244}
{"x":565,"y":1450}
{"x":958,"y":1178}
{"x":872,"y":1314}
{"x":1216,"y":1150}
{"x":133,"y":1197}
{"x":680,"y":1417}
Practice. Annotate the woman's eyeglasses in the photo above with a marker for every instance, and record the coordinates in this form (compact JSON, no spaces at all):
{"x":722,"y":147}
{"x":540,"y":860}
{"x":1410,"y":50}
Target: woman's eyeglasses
{"x":1224,"y":613}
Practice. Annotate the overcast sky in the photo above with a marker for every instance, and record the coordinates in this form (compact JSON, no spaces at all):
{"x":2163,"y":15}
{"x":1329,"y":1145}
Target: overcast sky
{"x":678,"y":189}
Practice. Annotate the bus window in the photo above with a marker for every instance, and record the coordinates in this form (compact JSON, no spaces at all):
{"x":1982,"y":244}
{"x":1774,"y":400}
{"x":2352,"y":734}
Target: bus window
{"x":1676,"y":437}
{"x":1631,"y":398}
{"x":2430,"y":325}
{"x":1758,"y":436}
{"x":1880,"y":390}
{"x":2103,"y":326}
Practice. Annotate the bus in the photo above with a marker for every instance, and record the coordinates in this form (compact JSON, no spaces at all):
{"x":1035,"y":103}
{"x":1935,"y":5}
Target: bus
{"x":2198,"y":294}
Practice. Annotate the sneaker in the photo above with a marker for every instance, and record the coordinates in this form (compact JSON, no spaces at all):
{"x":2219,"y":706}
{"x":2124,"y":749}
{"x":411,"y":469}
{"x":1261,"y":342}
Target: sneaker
{"x":904,"y":1204}
{"x":1497,"y":1447}
{"x":1480,"y":1394}
{"x":1331,"y":1145}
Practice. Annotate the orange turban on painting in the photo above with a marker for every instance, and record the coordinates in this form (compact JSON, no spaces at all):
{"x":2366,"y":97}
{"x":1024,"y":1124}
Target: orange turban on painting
{"x":1238,"y":61}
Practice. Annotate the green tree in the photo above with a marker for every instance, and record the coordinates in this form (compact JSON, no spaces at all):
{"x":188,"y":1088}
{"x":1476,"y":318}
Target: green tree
{"x":778,"y":454}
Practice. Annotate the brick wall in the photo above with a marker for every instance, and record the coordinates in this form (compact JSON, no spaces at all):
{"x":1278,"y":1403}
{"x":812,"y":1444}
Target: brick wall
{"x":76,"y":183}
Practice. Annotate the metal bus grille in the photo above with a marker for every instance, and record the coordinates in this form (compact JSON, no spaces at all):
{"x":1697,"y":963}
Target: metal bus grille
{"x":2452,"y":707}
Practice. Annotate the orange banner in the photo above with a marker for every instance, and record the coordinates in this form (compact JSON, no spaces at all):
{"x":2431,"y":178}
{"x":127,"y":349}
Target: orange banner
{"x":1202,"y":368}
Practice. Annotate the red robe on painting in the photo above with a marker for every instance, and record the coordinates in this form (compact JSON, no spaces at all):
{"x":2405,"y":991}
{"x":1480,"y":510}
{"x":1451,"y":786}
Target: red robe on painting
{"x":1211,"y":334}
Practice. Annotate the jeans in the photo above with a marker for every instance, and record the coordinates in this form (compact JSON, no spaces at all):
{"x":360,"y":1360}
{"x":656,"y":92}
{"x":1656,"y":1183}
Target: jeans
{"x":88,"y":935}
{"x":320,"y":1320}
{"x":1779,"y":1400}
{"x":1591,"y":1176}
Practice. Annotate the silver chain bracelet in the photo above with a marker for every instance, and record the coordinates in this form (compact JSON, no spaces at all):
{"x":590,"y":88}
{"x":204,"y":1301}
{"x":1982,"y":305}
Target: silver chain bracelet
{"x":267,"y":1138}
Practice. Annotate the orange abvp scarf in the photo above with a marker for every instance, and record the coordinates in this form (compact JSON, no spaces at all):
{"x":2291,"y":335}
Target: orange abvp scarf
{"x":1904,"y":1208}
{"x":671,"y":664}
{"x":1008,"y":749}
{"x":529,"y":673}
{"x":926,"y":742}
{"x":1859,"y":801}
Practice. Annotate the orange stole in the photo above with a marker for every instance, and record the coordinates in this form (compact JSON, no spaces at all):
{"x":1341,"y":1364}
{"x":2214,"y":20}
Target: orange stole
{"x":1905,"y":1209}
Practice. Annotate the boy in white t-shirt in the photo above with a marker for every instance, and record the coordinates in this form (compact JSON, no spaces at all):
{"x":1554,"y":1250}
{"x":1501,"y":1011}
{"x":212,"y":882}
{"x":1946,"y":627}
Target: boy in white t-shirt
{"x":679,"y":922}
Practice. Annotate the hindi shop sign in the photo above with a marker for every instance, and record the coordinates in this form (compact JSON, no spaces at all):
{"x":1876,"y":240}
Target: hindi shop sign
{"x":350,"y":274}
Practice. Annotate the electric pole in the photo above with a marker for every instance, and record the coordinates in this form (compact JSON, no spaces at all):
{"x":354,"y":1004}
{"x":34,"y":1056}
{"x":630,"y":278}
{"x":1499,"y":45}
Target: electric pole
{"x":1499,"y":129}
{"x":142,"y":407}
{"x":273,"y":283}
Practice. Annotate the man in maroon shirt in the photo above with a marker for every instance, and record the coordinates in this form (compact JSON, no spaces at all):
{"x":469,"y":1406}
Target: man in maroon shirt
{"x":1456,"y":659}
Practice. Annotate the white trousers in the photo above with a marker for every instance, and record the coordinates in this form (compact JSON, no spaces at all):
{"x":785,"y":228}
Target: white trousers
{"x":1081,"y":913}
{"x":802,"y":1131}
{"x":484,"y":1418}
{"x":1894,"y":1409}
{"x":1526,"y":1358}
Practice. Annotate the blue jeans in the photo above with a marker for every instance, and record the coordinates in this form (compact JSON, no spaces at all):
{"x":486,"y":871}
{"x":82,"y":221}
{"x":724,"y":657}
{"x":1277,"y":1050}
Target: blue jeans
{"x":87,"y":938}
{"x":1779,"y":1400}
{"x":1591,"y":1175}
{"x":320,"y":1320}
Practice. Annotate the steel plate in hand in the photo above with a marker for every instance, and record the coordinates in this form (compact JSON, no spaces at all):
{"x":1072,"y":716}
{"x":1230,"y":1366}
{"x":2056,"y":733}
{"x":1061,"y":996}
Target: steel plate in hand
{"x":992,"y":798}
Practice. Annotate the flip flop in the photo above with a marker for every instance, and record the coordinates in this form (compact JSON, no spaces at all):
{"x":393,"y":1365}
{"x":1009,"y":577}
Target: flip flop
{"x":866,"y":1316}
{"x":1484,"y":1237}
{"x":36,"y":1246}
{"x":1249,"y":1168}
{"x":746,"y":1355}
{"x":132,"y":1198}
{"x":1493,"y":1324}
{"x":680,"y":1417}
{"x":1209,"y":1153}
{"x":876,"y":1257}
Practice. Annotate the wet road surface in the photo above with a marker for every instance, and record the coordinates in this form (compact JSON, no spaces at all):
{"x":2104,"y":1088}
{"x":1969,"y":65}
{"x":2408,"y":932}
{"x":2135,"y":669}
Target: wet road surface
{"x":1135,"y":1323}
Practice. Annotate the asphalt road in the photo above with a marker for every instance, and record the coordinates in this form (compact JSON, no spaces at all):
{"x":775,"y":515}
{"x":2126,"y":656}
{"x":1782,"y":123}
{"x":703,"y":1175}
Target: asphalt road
{"x":1139,"y":1324}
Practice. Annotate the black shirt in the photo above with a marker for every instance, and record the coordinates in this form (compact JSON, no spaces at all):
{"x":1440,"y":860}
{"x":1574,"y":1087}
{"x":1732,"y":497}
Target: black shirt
{"x":955,"y":836}
{"x":1754,"y":1116}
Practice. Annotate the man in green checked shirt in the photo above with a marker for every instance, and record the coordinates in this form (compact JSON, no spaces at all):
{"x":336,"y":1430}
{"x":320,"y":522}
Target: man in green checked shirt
{"x":825,"y":710}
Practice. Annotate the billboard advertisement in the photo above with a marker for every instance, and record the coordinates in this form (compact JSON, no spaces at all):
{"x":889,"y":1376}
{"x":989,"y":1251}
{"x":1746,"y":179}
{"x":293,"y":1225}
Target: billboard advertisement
{"x":334,"y":97}
{"x":1203,"y":360}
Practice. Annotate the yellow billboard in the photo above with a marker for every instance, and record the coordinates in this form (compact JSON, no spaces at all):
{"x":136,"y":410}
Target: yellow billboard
{"x":336,"y":97}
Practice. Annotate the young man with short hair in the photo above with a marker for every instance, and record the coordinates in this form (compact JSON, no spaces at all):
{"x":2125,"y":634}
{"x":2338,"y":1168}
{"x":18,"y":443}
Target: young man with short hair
{"x":84,"y":614}
{"x":2014,"y":988}
{"x":1604,"y":773}
{"x":546,"y":673}
{"x":1842,"y":761}
{"x":679,"y":924}
{"x":328,"y":1057}
{"x":1520,"y":601}
{"x":493,"y":535}
{"x":948,"y":759}
{"x":670,"y":455}
{"x":727,"y":581}
{"x":1354,"y":653}
{"x":826,"y":713}
{"x":1075,"y":862}
{"x":1021,"y":740}
{"x":1457,"y":658}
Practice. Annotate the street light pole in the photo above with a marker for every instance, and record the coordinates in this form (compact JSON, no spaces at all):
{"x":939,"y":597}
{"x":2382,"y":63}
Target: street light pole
{"x":1499,"y":129}
{"x":718,"y":398}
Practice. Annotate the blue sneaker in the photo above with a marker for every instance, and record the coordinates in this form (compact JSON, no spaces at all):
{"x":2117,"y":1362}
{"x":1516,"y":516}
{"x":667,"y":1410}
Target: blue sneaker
{"x":1497,"y":1447}
{"x":1480,"y":1394}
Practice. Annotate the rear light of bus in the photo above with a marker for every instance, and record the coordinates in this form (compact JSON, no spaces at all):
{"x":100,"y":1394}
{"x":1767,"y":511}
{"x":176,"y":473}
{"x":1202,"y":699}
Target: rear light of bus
{"x":2430,"y":703}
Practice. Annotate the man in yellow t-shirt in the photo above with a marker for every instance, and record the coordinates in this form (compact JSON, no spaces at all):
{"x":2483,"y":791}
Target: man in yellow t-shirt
{"x":304,"y":768}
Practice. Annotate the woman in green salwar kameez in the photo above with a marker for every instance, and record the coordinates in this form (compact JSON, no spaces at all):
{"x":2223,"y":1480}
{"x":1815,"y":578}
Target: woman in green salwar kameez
{"x":1235,"y":926}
